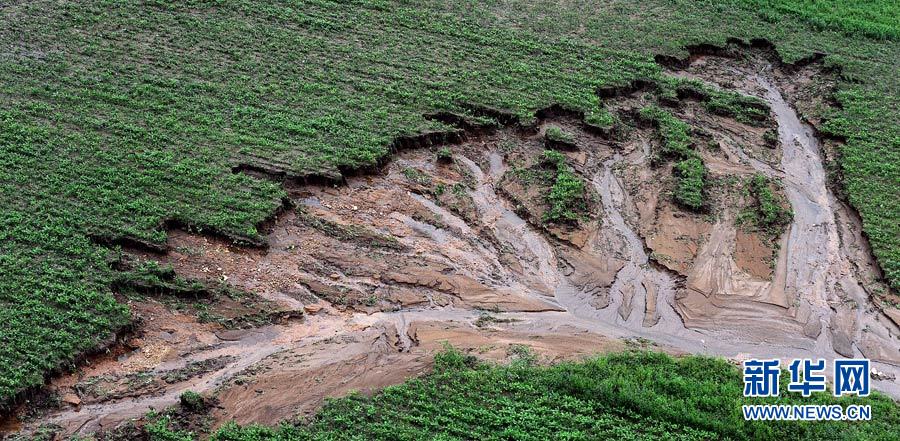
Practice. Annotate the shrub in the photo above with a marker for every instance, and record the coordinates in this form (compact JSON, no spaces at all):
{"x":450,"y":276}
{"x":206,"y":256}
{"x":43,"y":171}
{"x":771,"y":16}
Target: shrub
{"x":192,"y":401}
{"x":444,"y":155}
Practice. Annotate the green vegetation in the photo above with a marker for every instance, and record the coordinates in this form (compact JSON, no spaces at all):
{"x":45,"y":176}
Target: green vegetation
{"x":634,"y":395}
{"x":601,"y":118}
{"x":690,"y":173}
{"x":149,"y":277}
{"x":120,"y":116}
{"x":555,"y":134}
{"x":192,"y":400}
{"x":691,"y":176}
{"x":675,"y":133}
{"x":50,"y":308}
{"x":743,"y":108}
{"x":566,"y":197}
{"x":445,"y":155}
{"x":770,"y":213}
{"x":417,"y":176}
{"x":872,"y":18}
{"x":160,"y":430}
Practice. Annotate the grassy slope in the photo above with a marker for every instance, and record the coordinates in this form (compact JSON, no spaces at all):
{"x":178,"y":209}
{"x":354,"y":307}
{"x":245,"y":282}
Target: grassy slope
{"x":118,"y":115}
{"x":630,"y":396}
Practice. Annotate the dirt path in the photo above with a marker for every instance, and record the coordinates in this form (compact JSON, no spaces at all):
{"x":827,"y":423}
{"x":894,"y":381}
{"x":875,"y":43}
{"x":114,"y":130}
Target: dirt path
{"x":391,"y":266}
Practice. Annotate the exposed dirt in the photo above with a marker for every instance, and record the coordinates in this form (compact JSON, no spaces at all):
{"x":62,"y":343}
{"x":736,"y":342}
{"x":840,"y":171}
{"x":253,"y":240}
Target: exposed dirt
{"x":390,"y":266}
{"x":820,"y":281}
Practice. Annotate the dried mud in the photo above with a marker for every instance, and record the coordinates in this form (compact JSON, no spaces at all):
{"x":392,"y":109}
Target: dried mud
{"x":389,"y":266}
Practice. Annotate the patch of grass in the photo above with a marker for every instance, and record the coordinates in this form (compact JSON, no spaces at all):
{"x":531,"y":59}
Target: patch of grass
{"x":445,"y":155}
{"x":771,"y":137}
{"x":486,"y":318}
{"x":601,"y":118}
{"x":633,"y":395}
{"x":416,"y":176}
{"x":567,"y":194}
{"x":690,"y":173}
{"x":151,"y":277}
{"x":558,"y":135}
{"x":675,"y":133}
{"x":191,"y":400}
{"x":691,"y":178}
{"x":771,"y":212}
{"x":743,"y":108}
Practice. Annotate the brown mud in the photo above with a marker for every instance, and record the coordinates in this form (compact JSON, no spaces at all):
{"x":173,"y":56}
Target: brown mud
{"x":389,"y":266}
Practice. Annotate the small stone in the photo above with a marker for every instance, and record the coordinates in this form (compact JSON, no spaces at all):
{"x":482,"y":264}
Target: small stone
{"x":335,"y":276}
{"x":134,"y":343}
{"x":312,"y":309}
{"x":72,"y":399}
{"x":881,"y":376}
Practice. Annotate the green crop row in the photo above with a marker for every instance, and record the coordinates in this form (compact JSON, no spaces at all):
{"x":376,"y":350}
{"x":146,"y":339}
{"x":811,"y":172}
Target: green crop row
{"x":872,"y":18}
{"x":629,"y":396}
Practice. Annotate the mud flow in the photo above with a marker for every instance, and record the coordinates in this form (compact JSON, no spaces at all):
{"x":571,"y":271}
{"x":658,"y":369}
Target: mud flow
{"x":364,"y":281}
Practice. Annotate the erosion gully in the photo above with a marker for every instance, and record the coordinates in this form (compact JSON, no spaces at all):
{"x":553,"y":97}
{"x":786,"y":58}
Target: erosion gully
{"x":813,"y":305}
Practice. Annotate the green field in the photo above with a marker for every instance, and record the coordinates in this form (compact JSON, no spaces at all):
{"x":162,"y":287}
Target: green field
{"x":627,"y":396}
{"x":120,"y":118}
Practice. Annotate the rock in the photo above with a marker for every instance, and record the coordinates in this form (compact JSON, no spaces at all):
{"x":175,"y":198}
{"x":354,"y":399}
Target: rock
{"x":166,"y":336}
{"x":813,"y":328}
{"x":841,"y":343}
{"x":335,"y":276}
{"x":312,"y":309}
{"x":879,"y":375}
{"x":232,"y":334}
{"x":72,"y":399}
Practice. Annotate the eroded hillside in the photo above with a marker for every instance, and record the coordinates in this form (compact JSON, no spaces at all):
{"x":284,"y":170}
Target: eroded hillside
{"x":692,"y":215}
